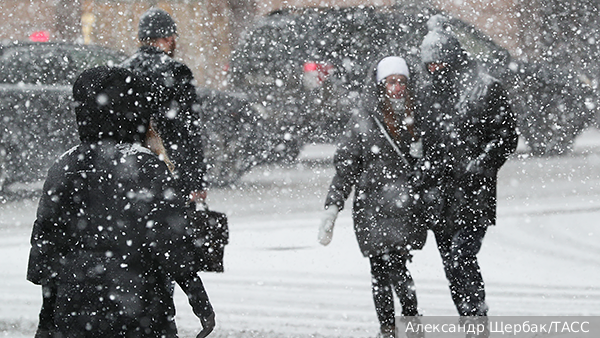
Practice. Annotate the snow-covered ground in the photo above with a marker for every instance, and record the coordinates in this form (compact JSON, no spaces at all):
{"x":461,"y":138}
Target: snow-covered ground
{"x":542,"y":258}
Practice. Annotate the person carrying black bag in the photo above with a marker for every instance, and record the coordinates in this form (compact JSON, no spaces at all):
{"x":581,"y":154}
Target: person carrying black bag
{"x":178,"y":121}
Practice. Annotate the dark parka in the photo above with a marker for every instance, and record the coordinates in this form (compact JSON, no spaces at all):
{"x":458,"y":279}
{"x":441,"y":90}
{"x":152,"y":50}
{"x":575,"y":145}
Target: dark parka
{"x":110,"y":236}
{"x":469,"y":130}
{"x":178,"y":118}
{"x":384,"y":203}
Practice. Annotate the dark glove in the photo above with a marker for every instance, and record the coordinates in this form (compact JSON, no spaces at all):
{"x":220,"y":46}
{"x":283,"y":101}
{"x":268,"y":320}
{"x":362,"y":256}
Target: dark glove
{"x":478,"y":166}
{"x":208,"y":325}
{"x":43,"y":333}
{"x":474,"y":167}
{"x":420,"y":175}
{"x":46,"y":316}
{"x":415,"y":179}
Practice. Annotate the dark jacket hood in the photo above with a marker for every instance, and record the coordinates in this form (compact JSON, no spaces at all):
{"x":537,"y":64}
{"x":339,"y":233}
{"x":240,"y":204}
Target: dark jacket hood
{"x":112,"y":103}
{"x":441,"y":45}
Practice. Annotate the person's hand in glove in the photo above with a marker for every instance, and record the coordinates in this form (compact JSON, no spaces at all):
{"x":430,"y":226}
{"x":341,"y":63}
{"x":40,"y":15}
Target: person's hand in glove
{"x":208,"y":325}
{"x":327,"y":222}
{"x":483,"y":164}
{"x":477,"y":165}
{"x":421,"y":174}
{"x":415,"y":178}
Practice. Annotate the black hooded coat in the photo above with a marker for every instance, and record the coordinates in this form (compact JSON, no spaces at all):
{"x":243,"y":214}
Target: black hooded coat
{"x":384,"y":199}
{"x":110,"y":233}
{"x":178,"y":117}
{"x":469,"y":130}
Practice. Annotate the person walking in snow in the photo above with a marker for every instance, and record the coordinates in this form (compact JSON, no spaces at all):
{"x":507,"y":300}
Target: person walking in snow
{"x":468,"y":133}
{"x":376,"y":156}
{"x":110,"y":232}
{"x":178,"y":118}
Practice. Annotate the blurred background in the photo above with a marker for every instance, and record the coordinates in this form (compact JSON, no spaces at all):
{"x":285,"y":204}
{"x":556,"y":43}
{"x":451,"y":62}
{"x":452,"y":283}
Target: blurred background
{"x":275,"y":76}
{"x":209,"y":29}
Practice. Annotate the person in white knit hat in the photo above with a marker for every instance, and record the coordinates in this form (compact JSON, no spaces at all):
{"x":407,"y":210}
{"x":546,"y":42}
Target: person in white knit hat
{"x":376,"y":156}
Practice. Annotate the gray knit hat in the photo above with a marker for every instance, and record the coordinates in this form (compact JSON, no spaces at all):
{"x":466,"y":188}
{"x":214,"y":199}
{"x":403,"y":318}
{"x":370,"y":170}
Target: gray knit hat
{"x":440,"y":44}
{"x":156,"y":23}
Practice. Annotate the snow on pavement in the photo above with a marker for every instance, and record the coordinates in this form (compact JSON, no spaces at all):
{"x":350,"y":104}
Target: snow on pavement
{"x":541,"y":258}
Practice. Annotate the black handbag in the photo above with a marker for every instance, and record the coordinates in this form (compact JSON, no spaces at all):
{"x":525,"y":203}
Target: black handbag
{"x":211,"y":233}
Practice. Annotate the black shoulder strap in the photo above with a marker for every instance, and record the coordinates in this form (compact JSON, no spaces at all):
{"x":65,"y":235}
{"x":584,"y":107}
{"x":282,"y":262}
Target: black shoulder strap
{"x":392,"y":143}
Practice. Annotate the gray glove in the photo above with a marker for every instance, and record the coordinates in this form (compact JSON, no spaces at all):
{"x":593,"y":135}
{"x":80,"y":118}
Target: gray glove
{"x":327,"y":222}
{"x":208,"y":325}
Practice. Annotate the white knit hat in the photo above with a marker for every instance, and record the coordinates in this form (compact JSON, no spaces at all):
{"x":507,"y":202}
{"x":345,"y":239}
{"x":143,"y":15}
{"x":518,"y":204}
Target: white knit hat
{"x":391,"y":65}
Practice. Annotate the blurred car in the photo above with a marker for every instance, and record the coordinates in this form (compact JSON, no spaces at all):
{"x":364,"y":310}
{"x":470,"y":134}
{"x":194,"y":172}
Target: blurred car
{"x":304,"y":68}
{"x":234,"y":136}
{"x":38,"y":123}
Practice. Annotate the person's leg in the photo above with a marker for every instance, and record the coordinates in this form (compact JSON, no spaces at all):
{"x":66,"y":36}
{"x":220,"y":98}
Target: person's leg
{"x":403,"y":283}
{"x":443,"y":238}
{"x":458,"y":250}
{"x":382,"y":294}
{"x":466,"y":244}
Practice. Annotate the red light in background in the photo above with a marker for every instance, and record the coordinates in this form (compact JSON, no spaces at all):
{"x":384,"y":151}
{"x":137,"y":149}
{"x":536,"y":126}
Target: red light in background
{"x":310,"y":66}
{"x":315,"y":73}
{"x":40,"y":36}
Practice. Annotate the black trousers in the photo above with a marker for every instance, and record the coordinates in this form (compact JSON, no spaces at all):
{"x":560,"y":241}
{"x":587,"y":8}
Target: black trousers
{"x":458,"y":247}
{"x":389,"y":274}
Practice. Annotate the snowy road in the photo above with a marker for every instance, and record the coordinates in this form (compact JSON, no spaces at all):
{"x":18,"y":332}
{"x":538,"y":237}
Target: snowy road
{"x":543,"y":257}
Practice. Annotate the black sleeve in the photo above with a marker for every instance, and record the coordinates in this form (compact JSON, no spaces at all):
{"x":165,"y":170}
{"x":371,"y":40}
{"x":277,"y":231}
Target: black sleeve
{"x":181,"y":129}
{"x":49,"y":226}
{"x":194,"y":166}
{"x":431,"y":167}
{"x":348,"y":163}
{"x":503,"y":131}
{"x":47,"y":240}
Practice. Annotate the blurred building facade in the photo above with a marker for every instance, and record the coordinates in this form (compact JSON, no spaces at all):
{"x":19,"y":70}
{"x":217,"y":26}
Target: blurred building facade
{"x":205,"y":26}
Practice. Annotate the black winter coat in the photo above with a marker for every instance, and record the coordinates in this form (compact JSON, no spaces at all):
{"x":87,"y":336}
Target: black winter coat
{"x":178,"y":118}
{"x":384,"y":211}
{"x":473,"y":123}
{"x":109,"y":239}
